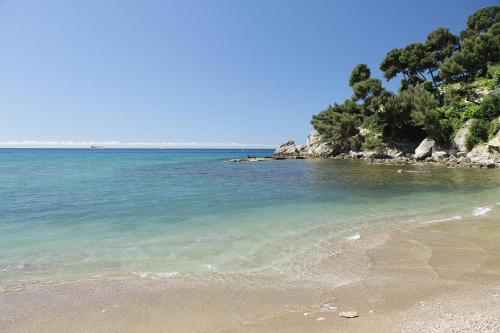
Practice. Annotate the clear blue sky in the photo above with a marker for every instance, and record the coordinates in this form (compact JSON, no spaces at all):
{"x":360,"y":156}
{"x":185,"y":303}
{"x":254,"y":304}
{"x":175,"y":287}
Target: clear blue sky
{"x":242,"y":71}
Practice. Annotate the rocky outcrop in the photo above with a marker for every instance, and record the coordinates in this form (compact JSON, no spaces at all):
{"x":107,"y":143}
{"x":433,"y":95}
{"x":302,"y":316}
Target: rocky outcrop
{"x":428,"y":152}
{"x":313,"y":138}
{"x":287,"y":149}
{"x":315,"y":147}
{"x":424,"y":149}
{"x":461,"y":135}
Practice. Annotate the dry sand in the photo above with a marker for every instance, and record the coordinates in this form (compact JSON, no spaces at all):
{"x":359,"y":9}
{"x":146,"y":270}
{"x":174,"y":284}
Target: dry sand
{"x":440,"y":277}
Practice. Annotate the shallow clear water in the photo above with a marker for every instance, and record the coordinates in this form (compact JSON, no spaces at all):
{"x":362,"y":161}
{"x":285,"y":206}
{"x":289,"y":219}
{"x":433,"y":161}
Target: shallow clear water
{"x":68,"y":214}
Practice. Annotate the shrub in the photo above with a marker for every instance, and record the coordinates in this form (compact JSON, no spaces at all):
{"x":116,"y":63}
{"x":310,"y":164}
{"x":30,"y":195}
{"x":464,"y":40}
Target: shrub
{"x":373,"y":123}
{"x":478,"y":133}
{"x":450,"y":126}
{"x":493,"y":128}
{"x":489,"y":108}
{"x":373,"y":141}
{"x":494,"y":73}
{"x":469,"y":110}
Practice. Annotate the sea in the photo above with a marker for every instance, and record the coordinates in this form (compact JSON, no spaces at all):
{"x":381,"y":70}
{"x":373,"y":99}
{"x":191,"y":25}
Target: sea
{"x":76,"y":214}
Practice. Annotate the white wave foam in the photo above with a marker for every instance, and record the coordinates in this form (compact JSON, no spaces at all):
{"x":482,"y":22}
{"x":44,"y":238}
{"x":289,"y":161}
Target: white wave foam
{"x":209,"y":266}
{"x":159,"y":275}
{"x":453,"y":218}
{"x":355,"y":237}
{"x":478,"y":211}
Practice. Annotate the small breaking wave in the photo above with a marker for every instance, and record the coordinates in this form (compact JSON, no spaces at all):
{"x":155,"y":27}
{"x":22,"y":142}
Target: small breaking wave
{"x":479,"y":211}
{"x":453,"y":218}
{"x":355,"y":237}
{"x":151,"y":275}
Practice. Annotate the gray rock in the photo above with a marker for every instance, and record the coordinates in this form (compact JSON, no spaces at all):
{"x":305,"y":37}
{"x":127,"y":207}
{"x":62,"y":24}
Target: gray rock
{"x":394,"y":153}
{"x":349,"y":314}
{"x":424,"y":149}
{"x":459,"y":139}
{"x":482,"y":155}
{"x":378,"y":154}
{"x":355,"y":154}
{"x":439,"y":155}
{"x":287,"y":148}
{"x":316,"y":147}
{"x":313,"y":138}
{"x":494,"y":144}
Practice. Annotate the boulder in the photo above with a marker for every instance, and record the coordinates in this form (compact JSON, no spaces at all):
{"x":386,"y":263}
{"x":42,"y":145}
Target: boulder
{"x":482,"y":155}
{"x":438,"y":155}
{"x":494,"y":144}
{"x":459,"y":139}
{"x":424,"y":149}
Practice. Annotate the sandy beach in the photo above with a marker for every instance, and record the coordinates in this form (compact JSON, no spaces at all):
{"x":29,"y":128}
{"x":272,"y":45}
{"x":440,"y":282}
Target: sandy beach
{"x":437,"y":277}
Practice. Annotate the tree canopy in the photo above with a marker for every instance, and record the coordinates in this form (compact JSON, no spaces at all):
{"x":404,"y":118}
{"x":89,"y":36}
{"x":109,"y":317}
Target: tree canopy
{"x":443,"y":82}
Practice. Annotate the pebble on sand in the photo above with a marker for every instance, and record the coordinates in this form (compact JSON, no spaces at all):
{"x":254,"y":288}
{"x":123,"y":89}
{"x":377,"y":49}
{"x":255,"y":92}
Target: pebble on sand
{"x":327,"y":307}
{"x":349,"y":314}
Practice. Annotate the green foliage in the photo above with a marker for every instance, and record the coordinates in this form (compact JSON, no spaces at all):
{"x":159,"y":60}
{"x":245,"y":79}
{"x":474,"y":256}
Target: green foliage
{"x":478,"y":133}
{"x":469,"y":111}
{"x":482,"y":20}
{"x":359,"y":73}
{"x":392,"y":66}
{"x":457,"y":94}
{"x":423,"y":106}
{"x":335,"y":124}
{"x":493,"y":128}
{"x":479,"y":46}
{"x":443,"y":80}
{"x":373,"y":141}
{"x":366,"y":89}
{"x":489,"y":108}
{"x":374,"y":123}
{"x":441,"y":43}
{"x":397,"y":116}
{"x":494,"y":74}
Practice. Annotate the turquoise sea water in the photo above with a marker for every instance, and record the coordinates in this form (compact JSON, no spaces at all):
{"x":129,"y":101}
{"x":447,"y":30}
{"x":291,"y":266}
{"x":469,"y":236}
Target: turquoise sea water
{"x":69,"y":214}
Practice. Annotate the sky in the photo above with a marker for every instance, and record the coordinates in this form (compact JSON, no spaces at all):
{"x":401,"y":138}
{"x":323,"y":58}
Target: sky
{"x":208,"y":73}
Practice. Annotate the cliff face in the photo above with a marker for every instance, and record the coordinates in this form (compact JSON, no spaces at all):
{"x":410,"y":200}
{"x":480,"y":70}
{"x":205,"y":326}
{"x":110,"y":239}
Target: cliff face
{"x":428,"y":151}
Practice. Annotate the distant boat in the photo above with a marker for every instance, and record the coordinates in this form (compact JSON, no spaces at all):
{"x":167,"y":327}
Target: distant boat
{"x":96,"y":147}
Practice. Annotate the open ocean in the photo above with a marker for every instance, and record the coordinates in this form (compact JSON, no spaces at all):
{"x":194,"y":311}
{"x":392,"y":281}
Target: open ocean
{"x":70,"y":214}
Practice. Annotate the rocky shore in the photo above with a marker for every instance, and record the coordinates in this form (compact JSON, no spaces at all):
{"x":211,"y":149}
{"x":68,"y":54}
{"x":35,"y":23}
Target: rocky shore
{"x":483,"y":155}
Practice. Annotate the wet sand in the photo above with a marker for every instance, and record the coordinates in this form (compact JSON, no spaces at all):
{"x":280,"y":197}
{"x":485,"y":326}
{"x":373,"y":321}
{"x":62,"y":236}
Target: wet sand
{"x":438,"y":277}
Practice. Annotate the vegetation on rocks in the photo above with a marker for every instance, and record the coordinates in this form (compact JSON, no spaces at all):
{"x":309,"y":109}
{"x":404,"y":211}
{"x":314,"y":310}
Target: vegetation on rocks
{"x":444,"y":81}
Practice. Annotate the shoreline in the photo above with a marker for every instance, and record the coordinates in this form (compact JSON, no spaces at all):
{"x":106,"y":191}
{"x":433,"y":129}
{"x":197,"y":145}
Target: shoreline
{"x":404,"y":274}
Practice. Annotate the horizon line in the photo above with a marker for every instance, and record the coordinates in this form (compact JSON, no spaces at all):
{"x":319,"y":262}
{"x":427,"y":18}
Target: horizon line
{"x":137,"y":145}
